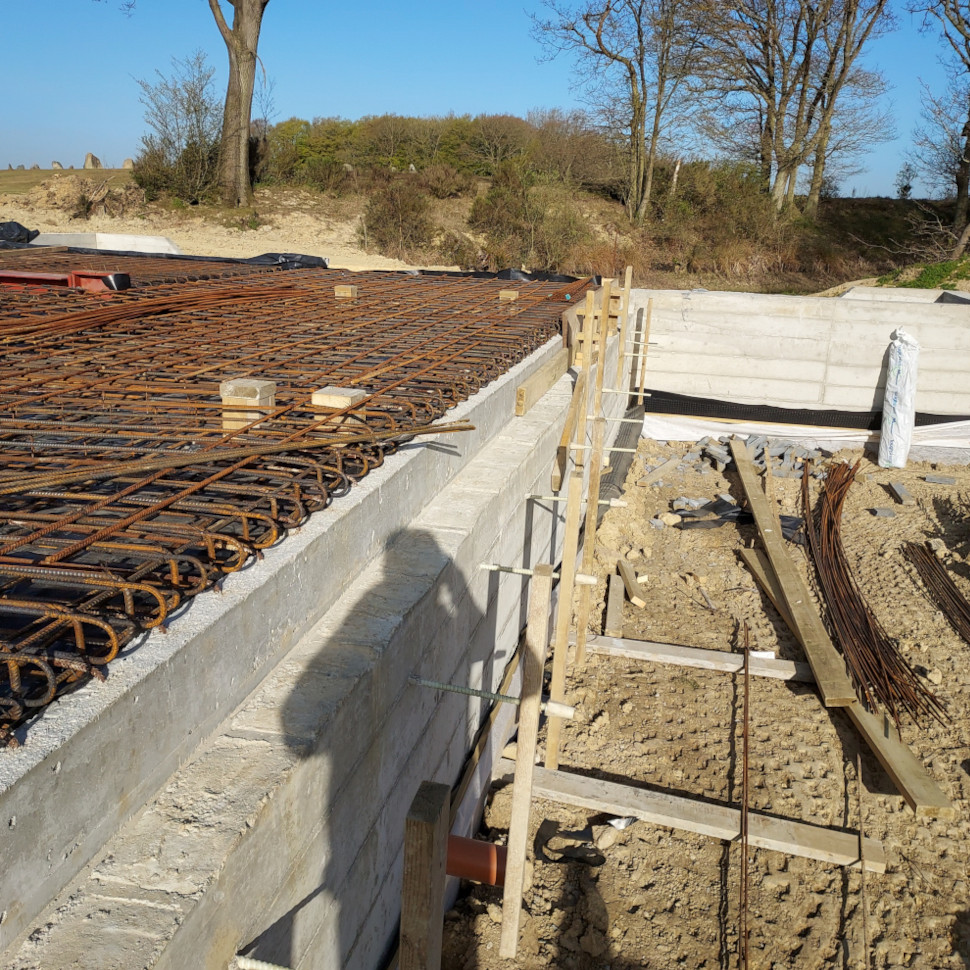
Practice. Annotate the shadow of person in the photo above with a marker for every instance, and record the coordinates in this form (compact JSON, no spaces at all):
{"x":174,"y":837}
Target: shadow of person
{"x":366,"y":736}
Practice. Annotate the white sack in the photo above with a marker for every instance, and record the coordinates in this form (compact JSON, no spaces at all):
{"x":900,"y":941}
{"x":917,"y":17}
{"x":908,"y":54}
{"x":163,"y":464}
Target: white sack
{"x":899,"y":403}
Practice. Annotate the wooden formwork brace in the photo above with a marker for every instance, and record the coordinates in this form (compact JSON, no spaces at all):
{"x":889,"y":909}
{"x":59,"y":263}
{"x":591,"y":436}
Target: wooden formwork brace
{"x":533,"y":661}
{"x":644,"y":344}
{"x":624,"y":323}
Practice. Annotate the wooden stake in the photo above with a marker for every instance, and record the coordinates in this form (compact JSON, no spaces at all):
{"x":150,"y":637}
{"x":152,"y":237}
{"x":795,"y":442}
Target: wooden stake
{"x":633,"y":589}
{"x":644,"y":343}
{"x":624,"y":314}
{"x":533,"y":660}
{"x":614,"y":608}
{"x":569,"y":431}
{"x":564,"y":612}
{"x":425,"y":859}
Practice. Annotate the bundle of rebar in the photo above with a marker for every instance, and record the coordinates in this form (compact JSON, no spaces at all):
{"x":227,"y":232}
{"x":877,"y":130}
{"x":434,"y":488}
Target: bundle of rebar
{"x":880,"y":674}
{"x":941,"y":587}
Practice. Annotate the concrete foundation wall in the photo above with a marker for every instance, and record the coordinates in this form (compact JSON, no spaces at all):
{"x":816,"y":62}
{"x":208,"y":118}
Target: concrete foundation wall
{"x":802,"y":352}
{"x":285,"y":828}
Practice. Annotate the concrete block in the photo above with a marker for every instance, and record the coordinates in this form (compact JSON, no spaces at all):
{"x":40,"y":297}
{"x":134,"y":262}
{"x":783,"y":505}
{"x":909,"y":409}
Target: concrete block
{"x":245,"y":390}
{"x":508,"y":296}
{"x":337,"y":397}
{"x":883,"y":513}
{"x":346,"y":291}
{"x":901,"y":493}
{"x":940,"y":480}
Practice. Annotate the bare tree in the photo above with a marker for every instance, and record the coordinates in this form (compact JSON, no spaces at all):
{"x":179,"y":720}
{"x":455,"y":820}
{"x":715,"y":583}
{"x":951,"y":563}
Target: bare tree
{"x":780,"y":67}
{"x":241,"y":40}
{"x":943,"y":138}
{"x":639,"y":51}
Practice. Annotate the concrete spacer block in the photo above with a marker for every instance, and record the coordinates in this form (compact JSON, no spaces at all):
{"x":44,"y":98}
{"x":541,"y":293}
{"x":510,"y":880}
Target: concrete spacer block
{"x":337,"y":397}
{"x":346,"y":291}
{"x":245,"y":390}
{"x":507,"y":296}
{"x":940,"y":480}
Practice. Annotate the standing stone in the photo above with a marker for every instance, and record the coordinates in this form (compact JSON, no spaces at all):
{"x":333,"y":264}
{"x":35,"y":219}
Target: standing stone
{"x":35,"y":167}
{"x":56,"y":165}
{"x":20,"y":168}
{"x":92,"y":161}
{"x":128,"y":163}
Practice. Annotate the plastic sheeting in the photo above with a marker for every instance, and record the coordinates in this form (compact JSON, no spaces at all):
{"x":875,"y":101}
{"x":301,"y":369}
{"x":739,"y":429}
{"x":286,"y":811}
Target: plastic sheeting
{"x":899,"y":401}
{"x":948,"y":441}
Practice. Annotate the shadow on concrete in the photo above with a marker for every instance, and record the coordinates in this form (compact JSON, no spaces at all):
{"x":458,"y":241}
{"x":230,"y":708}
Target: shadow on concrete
{"x":419,"y":619}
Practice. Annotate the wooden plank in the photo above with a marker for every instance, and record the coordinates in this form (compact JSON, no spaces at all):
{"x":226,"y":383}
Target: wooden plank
{"x":569,"y":429}
{"x":698,"y":657}
{"x":564,"y":612}
{"x":644,"y":343}
{"x":923,"y":795}
{"x":622,"y":353}
{"x":633,"y":589}
{"x":532,"y":389}
{"x":757,"y":562}
{"x":533,"y":660}
{"x":423,"y":894}
{"x":658,"y":472}
{"x":613,"y":627}
{"x":838,"y":846}
{"x":830,"y":675}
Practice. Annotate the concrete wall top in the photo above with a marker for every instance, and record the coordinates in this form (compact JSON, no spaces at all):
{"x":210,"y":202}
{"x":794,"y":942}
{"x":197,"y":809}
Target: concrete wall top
{"x":115,"y":241}
{"x":891,"y":294}
{"x":801,"y":352}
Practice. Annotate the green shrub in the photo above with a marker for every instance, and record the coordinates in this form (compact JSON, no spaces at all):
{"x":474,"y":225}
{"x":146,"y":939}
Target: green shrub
{"x":445,"y":181}
{"x":396,"y":220}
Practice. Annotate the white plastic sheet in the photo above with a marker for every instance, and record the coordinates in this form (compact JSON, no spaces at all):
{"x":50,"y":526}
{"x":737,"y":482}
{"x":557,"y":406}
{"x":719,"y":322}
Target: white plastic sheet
{"x":899,"y":403}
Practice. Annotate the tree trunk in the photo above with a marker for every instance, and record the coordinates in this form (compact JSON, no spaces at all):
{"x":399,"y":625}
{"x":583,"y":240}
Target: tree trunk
{"x":818,"y":173}
{"x":962,"y":178}
{"x":241,"y":41}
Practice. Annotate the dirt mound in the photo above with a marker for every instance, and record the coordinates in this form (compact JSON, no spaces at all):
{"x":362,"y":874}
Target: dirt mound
{"x":81,"y":196}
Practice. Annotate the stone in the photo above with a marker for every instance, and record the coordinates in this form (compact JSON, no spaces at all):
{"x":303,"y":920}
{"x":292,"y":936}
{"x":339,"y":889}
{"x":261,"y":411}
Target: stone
{"x":669,"y":518}
{"x":937,"y":547}
{"x":92,"y":161}
{"x":901,"y":493}
{"x":56,"y":165}
{"x":495,"y":912}
{"x":935,"y":677}
{"x":940,"y":480}
{"x":883,"y":513}
{"x":128,"y":163}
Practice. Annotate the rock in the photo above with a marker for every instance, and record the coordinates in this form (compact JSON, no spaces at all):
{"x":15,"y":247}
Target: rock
{"x":935,"y":677}
{"x":92,"y":161}
{"x":35,"y":167}
{"x":669,"y":518}
{"x":128,"y":163}
{"x":778,"y":882}
{"x":633,"y":555}
{"x":604,"y":836}
{"x":658,"y":523}
{"x":56,"y":165}
{"x":495,"y":912}
{"x":937,"y":547}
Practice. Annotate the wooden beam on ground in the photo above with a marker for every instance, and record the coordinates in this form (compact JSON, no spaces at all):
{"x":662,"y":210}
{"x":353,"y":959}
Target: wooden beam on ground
{"x":528,"y":392}
{"x":634,"y":590}
{"x":425,"y":859}
{"x":705,"y":818}
{"x":658,"y":472}
{"x":828,"y":666}
{"x":923,"y":795}
{"x":533,"y":660}
{"x":613,"y":627}
{"x":699,"y":658}
{"x":564,"y":611}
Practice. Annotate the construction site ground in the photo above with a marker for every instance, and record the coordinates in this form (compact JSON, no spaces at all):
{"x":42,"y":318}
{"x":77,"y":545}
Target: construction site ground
{"x":663,"y":898}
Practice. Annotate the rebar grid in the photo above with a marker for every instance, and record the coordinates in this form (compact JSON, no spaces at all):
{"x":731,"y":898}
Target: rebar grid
{"x":880,"y":674}
{"x":121,"y":494}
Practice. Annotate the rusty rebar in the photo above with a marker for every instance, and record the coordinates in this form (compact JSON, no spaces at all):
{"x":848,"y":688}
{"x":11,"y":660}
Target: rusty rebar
{"x":941,"y":588}
{"x":879,"y":672}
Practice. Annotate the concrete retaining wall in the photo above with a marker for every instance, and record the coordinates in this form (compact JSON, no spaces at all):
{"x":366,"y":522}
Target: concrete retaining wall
{"x":802,"y":352}
{"x":285,"y":828}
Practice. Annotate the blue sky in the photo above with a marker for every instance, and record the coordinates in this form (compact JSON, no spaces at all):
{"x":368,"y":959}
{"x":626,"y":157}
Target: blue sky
{"x":71,"y":66}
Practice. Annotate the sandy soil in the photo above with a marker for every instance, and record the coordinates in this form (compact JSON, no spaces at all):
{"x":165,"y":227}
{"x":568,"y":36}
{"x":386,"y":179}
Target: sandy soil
{"x":664,"y":898}
{"x":291,"y":222}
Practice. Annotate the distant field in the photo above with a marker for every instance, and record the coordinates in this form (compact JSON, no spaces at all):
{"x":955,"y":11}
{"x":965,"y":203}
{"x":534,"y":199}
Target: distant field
{"x":17,"y":182}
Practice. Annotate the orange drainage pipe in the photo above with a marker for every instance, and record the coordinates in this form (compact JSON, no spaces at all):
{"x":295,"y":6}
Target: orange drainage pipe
{"x":476,"y":860}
